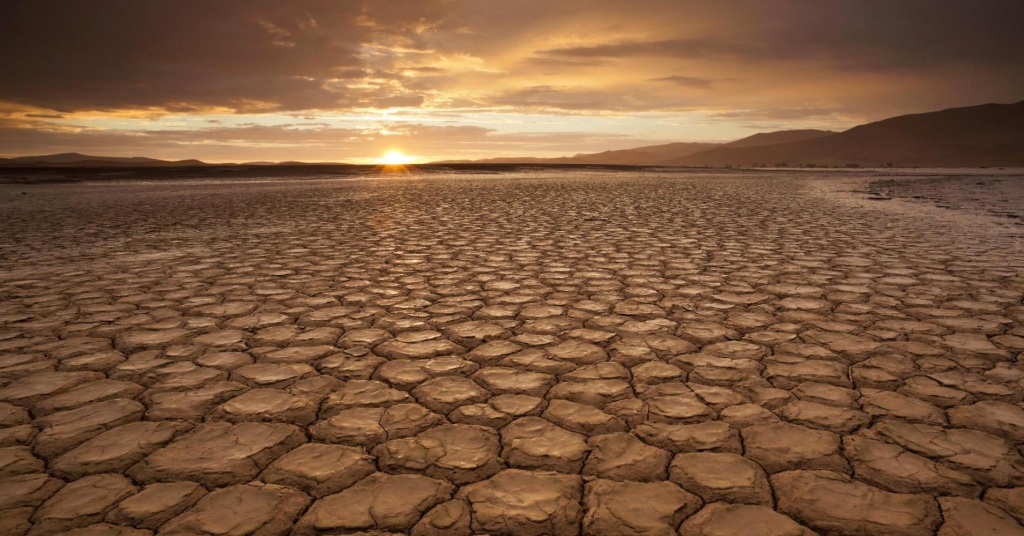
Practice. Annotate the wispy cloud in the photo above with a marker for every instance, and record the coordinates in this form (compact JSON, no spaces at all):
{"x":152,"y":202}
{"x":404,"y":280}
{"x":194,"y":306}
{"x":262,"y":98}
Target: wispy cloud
{"x":687,"y":81}
{"x":771,"y":62}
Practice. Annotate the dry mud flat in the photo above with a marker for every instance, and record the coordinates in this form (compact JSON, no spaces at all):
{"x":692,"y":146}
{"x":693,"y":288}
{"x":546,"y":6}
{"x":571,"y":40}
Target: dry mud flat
{"x":558,"y":353}
{"x":1000,"y":196}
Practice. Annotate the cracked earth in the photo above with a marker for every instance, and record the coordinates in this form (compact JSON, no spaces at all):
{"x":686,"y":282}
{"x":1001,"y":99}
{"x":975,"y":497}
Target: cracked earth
{"x":552,"y":352}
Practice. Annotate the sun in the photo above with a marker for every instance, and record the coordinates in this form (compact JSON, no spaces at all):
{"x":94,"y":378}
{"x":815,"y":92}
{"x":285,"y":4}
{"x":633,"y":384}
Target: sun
{"x":394,"y":157}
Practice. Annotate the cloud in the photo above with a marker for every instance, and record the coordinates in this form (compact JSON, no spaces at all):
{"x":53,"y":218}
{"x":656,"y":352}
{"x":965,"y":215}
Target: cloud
{"x":779,"y":114}
{"x":577,"y":100}
{"x":302,"y":141}
{"x":254,"y":56}
{"x":836,"y":62}
{"x":687,"y":81}
{"x":670,"y":48}
{"x":192,"y":55}
{"x":553,"y":97}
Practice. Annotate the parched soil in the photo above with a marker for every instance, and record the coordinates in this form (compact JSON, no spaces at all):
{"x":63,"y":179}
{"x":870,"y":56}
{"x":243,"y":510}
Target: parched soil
{"x":528,"y":353}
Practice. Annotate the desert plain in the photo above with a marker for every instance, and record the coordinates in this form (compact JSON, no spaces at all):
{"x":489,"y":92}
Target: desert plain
{"x":529,"y":352}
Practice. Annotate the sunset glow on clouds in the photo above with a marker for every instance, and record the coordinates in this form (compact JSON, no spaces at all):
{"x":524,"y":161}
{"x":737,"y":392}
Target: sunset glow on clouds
{"x":350,"y":80}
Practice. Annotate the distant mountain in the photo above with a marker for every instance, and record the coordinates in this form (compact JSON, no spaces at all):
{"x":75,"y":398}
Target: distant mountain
{"x":68,"y":158}
{"x":654,"y":155}
{"x":986,"y":135}
{"x":76,"y":159}
{"x":642,"y":155}
{"x":297,"y":163}
{"x":508,"y":160}
{"x":649,"y":155}
{"x":782,"y":136}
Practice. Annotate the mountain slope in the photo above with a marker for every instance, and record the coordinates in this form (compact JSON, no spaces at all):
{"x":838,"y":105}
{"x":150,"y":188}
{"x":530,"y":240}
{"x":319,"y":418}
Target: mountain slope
{"x":641,"y":155}
{"x":68,"y":158}
{"x":782,"y":136}
{"x":76,"y":159}
{"x":653,"y":155}
{"x":986,"y":135}
{"x":649,"y":155}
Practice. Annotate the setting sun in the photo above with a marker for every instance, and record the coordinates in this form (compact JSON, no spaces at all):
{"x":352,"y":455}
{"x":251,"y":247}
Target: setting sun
{"x":395,"y":157}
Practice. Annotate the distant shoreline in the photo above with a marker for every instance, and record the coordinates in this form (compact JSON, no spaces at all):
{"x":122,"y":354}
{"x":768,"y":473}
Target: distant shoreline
{"x":73,"y":174}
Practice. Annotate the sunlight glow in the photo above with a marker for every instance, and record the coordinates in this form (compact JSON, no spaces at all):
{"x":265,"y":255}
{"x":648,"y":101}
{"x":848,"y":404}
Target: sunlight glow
{"x":395,"y":157}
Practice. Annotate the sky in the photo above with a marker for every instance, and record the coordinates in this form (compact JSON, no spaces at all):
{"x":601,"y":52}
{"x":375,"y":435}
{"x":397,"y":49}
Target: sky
{"x":350,"y":80}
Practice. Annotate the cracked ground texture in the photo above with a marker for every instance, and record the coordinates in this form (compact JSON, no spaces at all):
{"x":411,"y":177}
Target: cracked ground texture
{"x":544,"y":352}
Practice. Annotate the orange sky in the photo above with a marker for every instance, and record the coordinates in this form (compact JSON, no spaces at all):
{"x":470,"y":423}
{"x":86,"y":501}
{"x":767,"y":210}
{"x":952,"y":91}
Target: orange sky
{"x":351,"y":80}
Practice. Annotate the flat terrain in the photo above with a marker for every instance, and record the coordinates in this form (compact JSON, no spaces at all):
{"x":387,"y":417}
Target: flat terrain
{"x":541,"y":352}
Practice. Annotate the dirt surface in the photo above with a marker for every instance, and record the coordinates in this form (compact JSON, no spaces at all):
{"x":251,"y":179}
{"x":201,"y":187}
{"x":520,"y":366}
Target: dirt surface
{"x":534,"y":352}
{"x":1001,"y":196}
